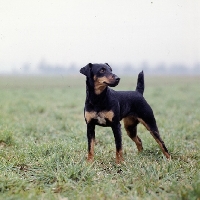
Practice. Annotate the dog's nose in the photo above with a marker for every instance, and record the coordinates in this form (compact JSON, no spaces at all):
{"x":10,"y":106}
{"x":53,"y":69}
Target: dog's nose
{"x":117,"y":78}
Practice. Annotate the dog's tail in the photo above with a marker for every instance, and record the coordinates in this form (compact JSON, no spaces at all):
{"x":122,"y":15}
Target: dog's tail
{"x":140,"y":83}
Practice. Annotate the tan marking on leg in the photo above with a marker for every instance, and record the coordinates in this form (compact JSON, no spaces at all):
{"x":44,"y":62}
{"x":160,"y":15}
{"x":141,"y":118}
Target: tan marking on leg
{"x":138,"y":143}
{"x":130,"y":121}
{"x":89,"y":116}
{"x":91,"y":152}
{"x":119,"y":156}
{"x":167,"y":155}
{"x":147,"y":127}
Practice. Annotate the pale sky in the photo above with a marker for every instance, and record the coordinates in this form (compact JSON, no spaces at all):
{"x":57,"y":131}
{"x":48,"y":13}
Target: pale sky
{"x":113,"y":31}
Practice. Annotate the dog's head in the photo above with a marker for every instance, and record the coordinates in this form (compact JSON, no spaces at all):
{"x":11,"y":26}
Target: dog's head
{"x":101,"y":75}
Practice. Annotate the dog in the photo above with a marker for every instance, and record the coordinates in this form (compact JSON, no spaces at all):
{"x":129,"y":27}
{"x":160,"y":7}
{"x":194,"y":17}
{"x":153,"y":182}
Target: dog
{"x":107,"y":107}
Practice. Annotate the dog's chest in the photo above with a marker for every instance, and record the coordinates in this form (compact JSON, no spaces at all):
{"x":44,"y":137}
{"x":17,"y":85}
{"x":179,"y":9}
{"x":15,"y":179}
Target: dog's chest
{"x":100,"y":117}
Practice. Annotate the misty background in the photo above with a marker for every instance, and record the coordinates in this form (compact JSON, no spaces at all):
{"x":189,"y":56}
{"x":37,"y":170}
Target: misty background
{"x":60,"y":37}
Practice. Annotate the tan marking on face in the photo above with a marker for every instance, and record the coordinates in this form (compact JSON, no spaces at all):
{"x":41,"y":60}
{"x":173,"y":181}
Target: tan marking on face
{"x":100,"y":83}
{"x":89,"y":116}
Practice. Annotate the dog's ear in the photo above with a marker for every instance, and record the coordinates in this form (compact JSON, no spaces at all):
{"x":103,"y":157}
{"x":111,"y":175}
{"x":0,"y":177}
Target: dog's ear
{"x":86,"y":70}
{"x":109,"y":66}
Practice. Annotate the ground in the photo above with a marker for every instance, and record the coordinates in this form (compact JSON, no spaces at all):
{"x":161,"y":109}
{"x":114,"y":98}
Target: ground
{"x":43,"y":144}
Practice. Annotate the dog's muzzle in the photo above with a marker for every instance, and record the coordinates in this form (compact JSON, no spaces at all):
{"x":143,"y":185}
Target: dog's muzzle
{"x":115,"y":81}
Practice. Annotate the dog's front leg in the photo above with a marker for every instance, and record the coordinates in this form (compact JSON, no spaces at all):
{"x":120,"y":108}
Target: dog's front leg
{"x":116,"y":128}
{"x":91,"y":141}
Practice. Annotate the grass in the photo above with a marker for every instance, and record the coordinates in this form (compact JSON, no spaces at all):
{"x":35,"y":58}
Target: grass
{"x":43,"y":143}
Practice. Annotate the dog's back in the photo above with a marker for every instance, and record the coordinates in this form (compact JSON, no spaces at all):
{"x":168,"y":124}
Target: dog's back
{"x":140,"y":83}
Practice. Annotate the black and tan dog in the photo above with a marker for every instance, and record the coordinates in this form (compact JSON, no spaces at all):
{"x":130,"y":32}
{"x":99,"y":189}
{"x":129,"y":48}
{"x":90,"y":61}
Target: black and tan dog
{"x":106,"y":107}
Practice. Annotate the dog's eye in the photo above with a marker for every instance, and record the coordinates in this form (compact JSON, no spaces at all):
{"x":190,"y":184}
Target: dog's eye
{"x":102,"y":70}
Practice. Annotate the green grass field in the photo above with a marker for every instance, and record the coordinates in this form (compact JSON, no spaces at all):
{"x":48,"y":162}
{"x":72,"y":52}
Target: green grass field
{"x":43,"y":144}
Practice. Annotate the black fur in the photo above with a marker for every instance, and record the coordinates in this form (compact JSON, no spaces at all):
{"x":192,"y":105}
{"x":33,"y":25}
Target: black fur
{"x":140,"y":83}
{"x":106,"y":107}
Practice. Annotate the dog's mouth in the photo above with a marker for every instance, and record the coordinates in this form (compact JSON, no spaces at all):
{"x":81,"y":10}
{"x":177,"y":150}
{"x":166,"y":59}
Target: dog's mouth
{"x":113,"y":84}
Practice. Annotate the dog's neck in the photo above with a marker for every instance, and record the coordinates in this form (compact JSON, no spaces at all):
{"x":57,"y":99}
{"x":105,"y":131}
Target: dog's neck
{"x":99,"y":88}
{"x":92,"y":96}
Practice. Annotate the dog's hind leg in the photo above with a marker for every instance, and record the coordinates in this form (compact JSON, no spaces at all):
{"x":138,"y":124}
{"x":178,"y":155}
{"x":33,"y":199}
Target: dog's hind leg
{"x":153,"y":129}
{"x":130,"y":125}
